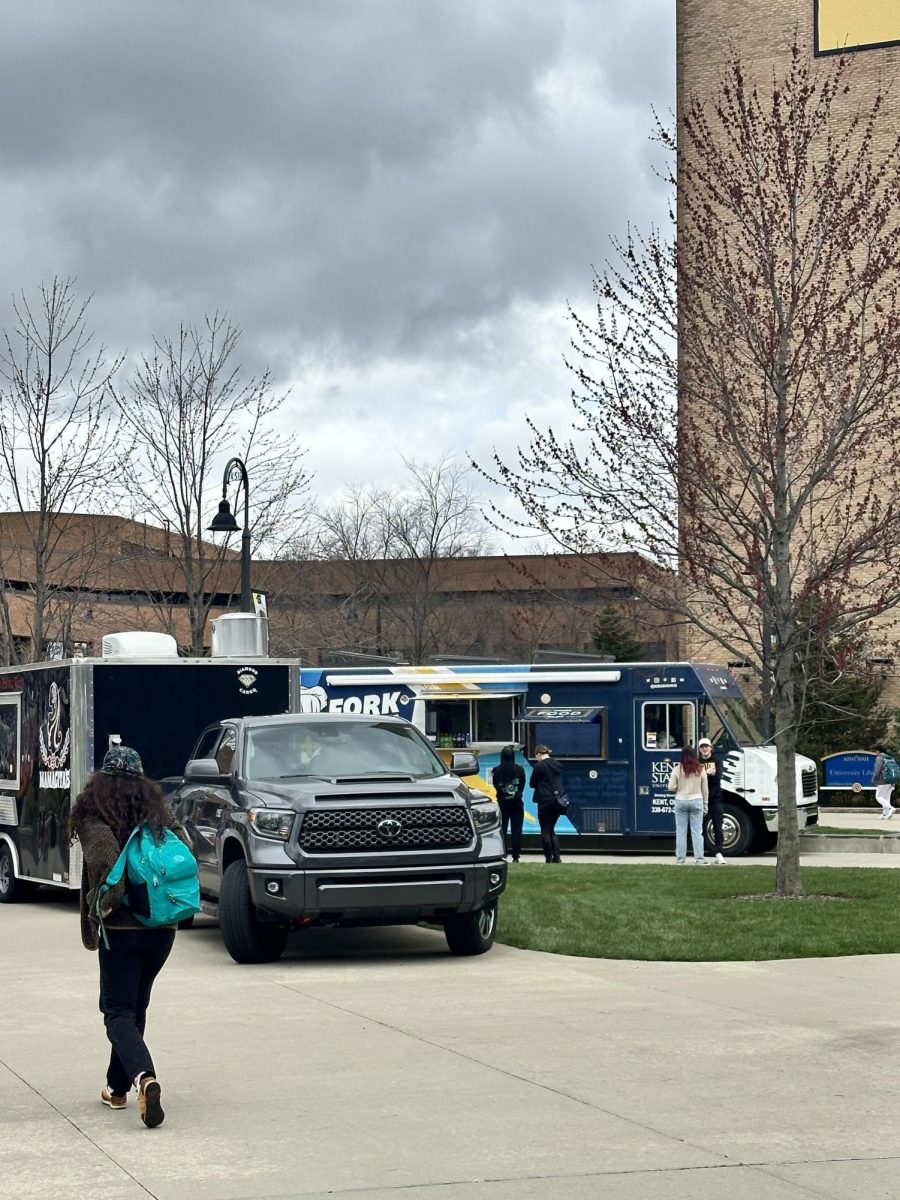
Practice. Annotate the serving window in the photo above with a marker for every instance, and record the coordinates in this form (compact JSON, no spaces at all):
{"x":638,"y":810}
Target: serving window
{"x":466,"y":720}
{"x":10,"y":740}
{"x":570,"y":733}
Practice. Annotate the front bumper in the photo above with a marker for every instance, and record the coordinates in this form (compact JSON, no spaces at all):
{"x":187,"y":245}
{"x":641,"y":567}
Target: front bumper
{"x":393,"y":895}
{"x":807,"y":815}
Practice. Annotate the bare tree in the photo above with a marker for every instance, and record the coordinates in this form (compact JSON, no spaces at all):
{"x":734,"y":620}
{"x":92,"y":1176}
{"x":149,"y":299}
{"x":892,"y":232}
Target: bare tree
{"x":403,"y":545}
{"x":771,"y":484}
{"x":54,"y":447}
{"x":188,"y":408}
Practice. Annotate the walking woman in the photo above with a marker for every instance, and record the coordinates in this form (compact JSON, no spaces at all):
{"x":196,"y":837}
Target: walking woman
{"x":116,"y":799}
{"x":688,"y":782}
{"x":885,"y":765}
{"x":509,"y":783}
{"x":546,"y":782}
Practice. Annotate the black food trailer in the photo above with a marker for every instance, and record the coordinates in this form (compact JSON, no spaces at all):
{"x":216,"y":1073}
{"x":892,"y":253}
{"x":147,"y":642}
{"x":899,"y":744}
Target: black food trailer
{"x":58,"y":719}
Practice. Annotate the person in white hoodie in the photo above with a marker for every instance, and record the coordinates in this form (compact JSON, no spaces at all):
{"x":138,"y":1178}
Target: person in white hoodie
{"x":884,"y":788}
{"x":688,"y":782}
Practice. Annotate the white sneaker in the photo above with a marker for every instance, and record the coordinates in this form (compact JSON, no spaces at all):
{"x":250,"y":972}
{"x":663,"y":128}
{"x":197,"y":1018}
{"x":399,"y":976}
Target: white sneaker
{"x":890,"y":812}
{"x":701,"y":862}
{"x":679,"y":862}
{"x":721,"y":860}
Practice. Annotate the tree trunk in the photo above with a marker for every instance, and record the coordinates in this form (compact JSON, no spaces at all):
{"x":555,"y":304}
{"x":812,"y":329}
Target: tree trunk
{"x":37,"y":625}
{"x":787,"y":871}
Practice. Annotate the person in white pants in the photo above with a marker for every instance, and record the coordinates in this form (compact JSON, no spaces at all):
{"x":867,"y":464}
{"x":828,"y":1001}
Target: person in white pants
{"x":883,"y":789}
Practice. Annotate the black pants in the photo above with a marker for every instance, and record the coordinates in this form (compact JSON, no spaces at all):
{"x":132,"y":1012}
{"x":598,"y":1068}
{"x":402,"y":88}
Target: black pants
{"x":512,"y":813}
{"x":715,"y":816}
{"x":127,"y":971}
{"x":548,"y":815}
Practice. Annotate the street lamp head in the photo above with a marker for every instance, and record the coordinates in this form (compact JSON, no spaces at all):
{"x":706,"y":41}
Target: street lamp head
{"x":223,"y":521}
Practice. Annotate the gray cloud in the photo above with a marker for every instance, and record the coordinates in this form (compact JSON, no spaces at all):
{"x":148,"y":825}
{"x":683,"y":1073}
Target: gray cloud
{"x":385,"y":194}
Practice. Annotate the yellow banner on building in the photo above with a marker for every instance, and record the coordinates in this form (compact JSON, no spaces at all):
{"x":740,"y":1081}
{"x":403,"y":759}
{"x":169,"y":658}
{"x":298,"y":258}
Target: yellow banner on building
{"x":856,"y":24}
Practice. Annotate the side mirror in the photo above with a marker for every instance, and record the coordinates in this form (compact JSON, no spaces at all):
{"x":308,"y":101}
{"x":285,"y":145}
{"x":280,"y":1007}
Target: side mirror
{"x":464,"y":762}
{"x":202,"y":768}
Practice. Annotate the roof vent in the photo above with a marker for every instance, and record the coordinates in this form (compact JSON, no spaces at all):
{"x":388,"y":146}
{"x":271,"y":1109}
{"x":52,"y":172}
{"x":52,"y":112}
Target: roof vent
{"x":139,"y":644}
{"x":240,"y":635}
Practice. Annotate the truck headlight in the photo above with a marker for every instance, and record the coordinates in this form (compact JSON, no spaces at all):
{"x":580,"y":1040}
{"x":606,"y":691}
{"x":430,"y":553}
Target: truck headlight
{"x":486,"y":816}
{"x":272,"y":822}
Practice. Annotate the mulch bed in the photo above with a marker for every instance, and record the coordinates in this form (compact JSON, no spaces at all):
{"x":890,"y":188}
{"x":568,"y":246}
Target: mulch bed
{"x":776,"y":896}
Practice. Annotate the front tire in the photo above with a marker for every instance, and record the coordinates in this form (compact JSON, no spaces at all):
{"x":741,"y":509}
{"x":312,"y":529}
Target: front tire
{"x":472,"y":933}
{"x":737,"y":830}
{"x":764,"y":841}
{"x":12,"y":889}
{"x":246,"y":939}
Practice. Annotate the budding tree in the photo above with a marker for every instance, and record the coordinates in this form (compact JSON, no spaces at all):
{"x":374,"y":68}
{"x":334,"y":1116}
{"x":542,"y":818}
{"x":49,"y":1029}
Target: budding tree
{"x":402,"y":544}
{"x":188,"y":409}
{"x":738,"y":386}
{"x":56,"y":457}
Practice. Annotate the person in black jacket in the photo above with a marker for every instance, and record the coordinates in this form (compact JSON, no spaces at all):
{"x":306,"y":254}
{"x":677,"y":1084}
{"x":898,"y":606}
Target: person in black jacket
{"x":712,"y":765}
{"x":509,"y":782}
{"x":546,"y":782}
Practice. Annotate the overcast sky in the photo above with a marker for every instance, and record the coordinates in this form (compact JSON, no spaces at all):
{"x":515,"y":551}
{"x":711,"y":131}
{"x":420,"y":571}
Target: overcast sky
{"x":394,"y":199}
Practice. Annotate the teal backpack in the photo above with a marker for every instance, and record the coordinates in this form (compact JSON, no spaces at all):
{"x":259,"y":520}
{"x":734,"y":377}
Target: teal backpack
{"x":891,"y":769}
{"x":161,"y":884}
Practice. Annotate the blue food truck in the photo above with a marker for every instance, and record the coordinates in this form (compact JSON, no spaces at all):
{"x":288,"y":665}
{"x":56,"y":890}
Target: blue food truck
{"x":615,"y":728}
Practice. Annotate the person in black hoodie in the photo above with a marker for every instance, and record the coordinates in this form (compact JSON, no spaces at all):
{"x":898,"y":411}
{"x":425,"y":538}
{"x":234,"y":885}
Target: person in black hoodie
{"x":712,"y":765}
{"x":509,"y":783}
{"x":113,"y":801}
{"x":546,"y":782}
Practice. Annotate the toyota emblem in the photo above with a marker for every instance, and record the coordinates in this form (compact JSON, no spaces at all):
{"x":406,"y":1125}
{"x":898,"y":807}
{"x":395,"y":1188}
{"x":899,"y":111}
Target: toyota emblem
{"x":389,"y":827}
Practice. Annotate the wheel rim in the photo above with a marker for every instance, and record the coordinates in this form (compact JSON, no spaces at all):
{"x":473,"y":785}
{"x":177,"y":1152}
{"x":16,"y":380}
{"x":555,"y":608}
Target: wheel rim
{"x":731,"y":831}
{"x":486,"y":919}
{"x":5,"y":873}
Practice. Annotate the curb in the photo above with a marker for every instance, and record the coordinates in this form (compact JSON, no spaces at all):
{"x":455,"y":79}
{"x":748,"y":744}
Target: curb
{"x":832,"y":843}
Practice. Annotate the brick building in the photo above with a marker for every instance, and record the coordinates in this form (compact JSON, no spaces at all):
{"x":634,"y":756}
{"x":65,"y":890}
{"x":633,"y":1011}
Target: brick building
{"x":106,"y":574}
{"x":762,"y":32}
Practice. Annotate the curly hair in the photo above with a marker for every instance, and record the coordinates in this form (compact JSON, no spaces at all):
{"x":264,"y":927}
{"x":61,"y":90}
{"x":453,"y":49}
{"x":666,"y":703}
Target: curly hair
{"x":121,"y":802}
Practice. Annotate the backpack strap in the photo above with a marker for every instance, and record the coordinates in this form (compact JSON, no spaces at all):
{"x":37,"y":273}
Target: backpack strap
{"x":114,"y":877}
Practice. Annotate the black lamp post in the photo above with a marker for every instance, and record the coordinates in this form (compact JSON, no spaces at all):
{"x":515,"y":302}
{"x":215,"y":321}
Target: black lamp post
{"x":224,"y":522}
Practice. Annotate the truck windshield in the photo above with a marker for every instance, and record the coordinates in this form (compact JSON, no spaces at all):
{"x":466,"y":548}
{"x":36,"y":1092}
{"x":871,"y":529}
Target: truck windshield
{"x":739,"y":721}
{"x":330,"y":749}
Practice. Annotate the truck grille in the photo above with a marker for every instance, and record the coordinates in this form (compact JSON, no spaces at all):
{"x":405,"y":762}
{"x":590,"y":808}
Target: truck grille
{"x":417,"y":827}
{"x":808,"y":781}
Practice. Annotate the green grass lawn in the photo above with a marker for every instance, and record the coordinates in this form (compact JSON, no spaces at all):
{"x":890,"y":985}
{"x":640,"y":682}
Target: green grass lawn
{"x":692,"y":914}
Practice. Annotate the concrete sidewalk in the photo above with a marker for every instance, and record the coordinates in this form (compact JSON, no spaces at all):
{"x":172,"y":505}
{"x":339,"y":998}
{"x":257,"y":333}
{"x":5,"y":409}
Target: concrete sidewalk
{"x":863,"y":818}
{"x":867,"y":819}
{"x":371,"y":1065}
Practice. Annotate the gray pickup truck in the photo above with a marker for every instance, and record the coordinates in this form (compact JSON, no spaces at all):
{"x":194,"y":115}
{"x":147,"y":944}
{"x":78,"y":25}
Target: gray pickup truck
{"x":329,"y":819}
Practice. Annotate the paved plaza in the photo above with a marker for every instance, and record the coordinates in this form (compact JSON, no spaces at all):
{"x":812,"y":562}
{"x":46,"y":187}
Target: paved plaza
{"x":373,"y":1066}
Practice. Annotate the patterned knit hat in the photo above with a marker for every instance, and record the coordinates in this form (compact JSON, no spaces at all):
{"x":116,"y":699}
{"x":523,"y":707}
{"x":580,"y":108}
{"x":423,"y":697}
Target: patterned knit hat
{"x":122,"y":760}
